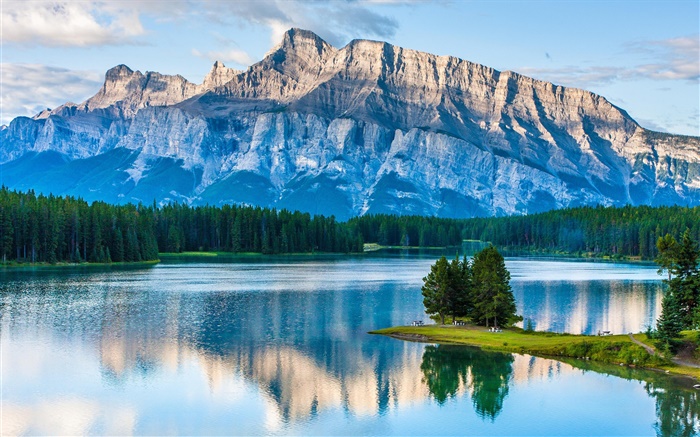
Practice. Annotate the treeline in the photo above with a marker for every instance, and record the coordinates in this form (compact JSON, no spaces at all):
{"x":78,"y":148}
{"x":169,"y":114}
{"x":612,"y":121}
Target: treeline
{"x":393,"y":230}
{"x":37,"y":228}
{"x":251,"y":229}
{"x":630,"y":231}
{"x":626,"y":231}
{"x":52,"y":229}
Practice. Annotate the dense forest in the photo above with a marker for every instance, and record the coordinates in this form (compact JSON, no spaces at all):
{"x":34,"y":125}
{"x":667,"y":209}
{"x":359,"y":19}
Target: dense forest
{"x":38,"y":228}
{"x":627,"y":231}
{"x":630,"y":231}
{"x":65,"y":229}
{"x":52,"y":229}
{"x":250,"y":229}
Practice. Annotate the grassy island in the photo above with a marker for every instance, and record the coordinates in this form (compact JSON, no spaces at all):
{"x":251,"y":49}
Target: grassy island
{"x":613,"y":349}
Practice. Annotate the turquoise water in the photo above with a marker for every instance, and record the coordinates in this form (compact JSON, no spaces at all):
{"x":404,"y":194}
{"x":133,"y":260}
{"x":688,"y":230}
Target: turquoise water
{"x":279,"y":346}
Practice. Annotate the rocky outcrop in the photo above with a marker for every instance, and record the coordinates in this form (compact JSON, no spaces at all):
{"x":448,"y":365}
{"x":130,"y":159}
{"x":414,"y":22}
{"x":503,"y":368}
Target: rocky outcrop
{"x":218,"y":76}
{"x":365,"y":128}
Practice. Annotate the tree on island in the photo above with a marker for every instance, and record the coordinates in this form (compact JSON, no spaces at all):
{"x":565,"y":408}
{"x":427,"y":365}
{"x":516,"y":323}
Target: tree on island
{"x":480,"y":289}
{"x":436,"y":289}
{"x":491,"y":296}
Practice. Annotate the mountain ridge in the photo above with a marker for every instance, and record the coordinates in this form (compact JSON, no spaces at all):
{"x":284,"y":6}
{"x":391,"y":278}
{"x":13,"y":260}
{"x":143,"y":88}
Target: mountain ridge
{"x":370,"y":126}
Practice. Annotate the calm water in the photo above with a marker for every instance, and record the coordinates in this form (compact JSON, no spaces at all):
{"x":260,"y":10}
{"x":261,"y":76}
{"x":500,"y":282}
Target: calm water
{"x":275,"y":346}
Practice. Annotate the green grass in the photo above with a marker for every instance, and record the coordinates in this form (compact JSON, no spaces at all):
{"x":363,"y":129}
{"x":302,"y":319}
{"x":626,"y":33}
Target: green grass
{"x":28,"y":265}
{"x":188,"y":254}
{"x":614,"y":349}
{"x":203,"y":254}
{"x":373,"y":247}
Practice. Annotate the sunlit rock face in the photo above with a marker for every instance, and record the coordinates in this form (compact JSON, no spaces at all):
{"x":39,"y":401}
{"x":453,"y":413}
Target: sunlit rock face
{"x":367,"y":128}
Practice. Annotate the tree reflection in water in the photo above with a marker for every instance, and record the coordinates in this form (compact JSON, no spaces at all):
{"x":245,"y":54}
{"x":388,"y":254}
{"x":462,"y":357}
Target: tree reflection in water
{"x":486,"y":375}
{"x":677,"y":409}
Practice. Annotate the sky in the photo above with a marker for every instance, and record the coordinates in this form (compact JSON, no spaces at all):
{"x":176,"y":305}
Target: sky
{"x":643,"y":56}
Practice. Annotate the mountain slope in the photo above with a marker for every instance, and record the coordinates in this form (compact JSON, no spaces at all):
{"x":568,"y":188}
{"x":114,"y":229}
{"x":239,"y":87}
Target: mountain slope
{"x":366,"y":128}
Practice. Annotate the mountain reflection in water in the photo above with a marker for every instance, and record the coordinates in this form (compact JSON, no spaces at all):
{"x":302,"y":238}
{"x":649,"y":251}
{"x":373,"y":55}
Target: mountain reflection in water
{"x":282,"y":349}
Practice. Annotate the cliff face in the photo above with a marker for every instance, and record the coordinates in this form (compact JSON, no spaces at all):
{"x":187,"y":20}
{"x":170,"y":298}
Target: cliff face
{"x":366,"y":128}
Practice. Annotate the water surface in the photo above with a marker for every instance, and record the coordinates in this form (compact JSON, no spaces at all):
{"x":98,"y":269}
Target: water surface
{"x":279,"y":346}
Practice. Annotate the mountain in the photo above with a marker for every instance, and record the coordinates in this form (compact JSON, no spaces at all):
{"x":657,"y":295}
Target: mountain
{"x":367,"y":128}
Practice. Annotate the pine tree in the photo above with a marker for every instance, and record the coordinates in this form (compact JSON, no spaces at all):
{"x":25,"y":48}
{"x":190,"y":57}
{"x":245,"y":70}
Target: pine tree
{"x":173,"y":239}
{"x":670,"y":323}
{"x":681,"y":262}
{"x":459,"y":277}
{"x":435,"y":289}
{"x":491,"y":295}
{"x":118,"y":245}
{"x":6,"y":232}
{"x":688,"y":288}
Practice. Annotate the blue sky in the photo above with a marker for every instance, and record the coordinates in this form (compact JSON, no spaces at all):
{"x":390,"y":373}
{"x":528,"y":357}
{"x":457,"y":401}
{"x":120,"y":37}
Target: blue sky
{"x":643,"y":56}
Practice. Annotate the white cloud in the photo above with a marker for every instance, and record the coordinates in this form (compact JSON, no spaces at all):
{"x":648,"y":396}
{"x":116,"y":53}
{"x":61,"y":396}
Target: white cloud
{"x":675,"y":59}
{"x":237,"y":56}
{"x":23,"y":85}
{"x":80,"y":23}
{"x":64,"y":24}
{"x":336,"y":21}
{"x":671,"y":59}
{"x":84,"y":23}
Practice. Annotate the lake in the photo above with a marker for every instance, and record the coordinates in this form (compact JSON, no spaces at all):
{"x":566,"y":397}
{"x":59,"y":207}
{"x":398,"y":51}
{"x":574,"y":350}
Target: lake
{"x":279,"y":346}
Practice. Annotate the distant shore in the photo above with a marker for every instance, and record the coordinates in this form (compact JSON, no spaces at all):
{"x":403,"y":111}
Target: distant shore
{"x":172,"y":255}
{"x":370,"y":249}
{"x":58,"y":265}
{"x":612,"y":349}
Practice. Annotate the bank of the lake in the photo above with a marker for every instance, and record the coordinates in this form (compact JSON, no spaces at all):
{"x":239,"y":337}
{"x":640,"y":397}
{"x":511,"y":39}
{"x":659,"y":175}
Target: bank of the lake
{"x":62,"y":265}
{"x":612,"y":349}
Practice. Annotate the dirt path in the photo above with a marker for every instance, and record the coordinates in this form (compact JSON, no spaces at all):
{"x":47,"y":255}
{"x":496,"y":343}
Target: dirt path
{"x":645,"y":346}
{"x":684,"y":357}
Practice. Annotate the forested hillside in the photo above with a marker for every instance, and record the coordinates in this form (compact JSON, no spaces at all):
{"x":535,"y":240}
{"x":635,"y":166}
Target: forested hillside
{"x":65,"y":229}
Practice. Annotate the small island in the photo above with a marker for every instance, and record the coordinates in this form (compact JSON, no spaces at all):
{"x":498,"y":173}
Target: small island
{"x":476,"y":295}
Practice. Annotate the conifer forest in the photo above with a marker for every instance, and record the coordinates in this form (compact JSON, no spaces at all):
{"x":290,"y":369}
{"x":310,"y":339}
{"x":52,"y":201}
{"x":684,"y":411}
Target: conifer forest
{"x":39,"y":228}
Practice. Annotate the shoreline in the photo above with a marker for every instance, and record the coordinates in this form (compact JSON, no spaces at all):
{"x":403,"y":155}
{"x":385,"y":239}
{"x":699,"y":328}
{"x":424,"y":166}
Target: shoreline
{"x":614,"y":349}
{"x":61,"y":265}
{"x":171,"y":256}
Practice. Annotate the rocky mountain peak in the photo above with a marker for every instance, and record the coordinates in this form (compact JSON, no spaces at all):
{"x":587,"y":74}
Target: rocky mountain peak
{"x":218,"y":75}
{"x":299,"y":50}
{"x":300,"y":40}
{"x":126,"y":91}
{"x":366,"y":128}
{"x":119,"y":72}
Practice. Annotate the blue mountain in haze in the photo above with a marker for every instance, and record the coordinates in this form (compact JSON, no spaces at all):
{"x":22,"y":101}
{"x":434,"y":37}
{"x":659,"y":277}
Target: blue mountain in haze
{"x":367,"y":128}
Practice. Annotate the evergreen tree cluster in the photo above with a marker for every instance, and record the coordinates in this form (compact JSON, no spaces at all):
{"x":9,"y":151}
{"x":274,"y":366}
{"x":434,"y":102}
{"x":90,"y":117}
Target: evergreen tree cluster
{"x":599,"y":231}
{"x":478,"y":289}
{"x":234,"y":228}
{"x":626,"y":231}
{"x":393,"y":230}
{"x":680,"y":307}
{"x":65,"y":229}
{"x":37,"y":228}
{"x":52,"y":229}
